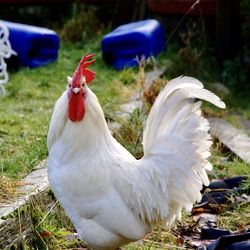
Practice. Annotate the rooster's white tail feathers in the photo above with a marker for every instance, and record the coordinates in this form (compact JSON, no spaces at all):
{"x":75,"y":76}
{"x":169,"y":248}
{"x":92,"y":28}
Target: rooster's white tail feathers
{"x":177,"y":135}
{"x":170,"y":106}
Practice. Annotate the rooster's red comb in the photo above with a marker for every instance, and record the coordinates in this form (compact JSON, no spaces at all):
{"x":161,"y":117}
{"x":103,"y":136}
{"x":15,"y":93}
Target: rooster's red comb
{"x":83,"y":71}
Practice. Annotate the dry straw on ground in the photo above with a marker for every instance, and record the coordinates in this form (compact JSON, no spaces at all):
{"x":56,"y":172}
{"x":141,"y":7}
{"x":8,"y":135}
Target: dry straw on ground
{"x":9,"y":189}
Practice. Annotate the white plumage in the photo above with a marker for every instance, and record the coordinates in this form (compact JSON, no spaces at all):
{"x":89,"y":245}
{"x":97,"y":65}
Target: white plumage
{"x":112,"y":198}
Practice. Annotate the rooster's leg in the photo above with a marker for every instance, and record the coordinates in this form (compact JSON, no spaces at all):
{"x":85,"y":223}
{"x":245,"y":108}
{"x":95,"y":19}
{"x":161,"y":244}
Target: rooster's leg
{"x":73,"y":236}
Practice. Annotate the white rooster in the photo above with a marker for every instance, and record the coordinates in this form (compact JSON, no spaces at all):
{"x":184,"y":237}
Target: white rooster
{"x":111,"y":197}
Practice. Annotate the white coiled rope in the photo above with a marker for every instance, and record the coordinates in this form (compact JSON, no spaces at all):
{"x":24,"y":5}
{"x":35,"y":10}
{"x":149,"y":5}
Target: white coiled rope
{"x":5,"y":52}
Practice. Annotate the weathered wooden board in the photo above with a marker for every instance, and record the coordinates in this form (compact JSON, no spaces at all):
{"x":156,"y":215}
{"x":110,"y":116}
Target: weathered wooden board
{"x":34,"y":183}
{"x":18,"y":226}
{"x":236,"y":140}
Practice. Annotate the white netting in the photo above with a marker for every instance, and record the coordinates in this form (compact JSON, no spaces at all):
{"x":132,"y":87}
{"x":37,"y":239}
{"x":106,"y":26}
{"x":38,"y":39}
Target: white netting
{"x":5,"y":52}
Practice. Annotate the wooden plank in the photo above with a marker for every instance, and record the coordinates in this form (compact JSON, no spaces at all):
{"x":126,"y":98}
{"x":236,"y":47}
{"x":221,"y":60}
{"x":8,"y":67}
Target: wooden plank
{"x":236,"y":140}
{"x":14,"y":223}
{"x":37,"y":182}
{"x":18,"y":227}
{"x":11,"y":233}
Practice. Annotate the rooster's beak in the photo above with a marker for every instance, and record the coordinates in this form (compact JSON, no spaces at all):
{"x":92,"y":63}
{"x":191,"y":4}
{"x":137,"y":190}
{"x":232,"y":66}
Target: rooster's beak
{"x":76,"y":90}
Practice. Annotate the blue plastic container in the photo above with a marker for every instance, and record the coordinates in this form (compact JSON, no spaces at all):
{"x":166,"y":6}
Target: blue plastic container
{"x":121,"y":47}
{"x":35,"y":46}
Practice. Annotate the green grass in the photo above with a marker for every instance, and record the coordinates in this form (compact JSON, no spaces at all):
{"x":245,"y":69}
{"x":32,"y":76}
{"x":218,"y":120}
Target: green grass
{"x":235,"y":217}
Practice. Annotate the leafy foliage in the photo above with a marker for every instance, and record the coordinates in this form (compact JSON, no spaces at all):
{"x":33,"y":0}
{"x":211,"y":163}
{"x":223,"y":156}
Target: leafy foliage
{"x":233,"y":73}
